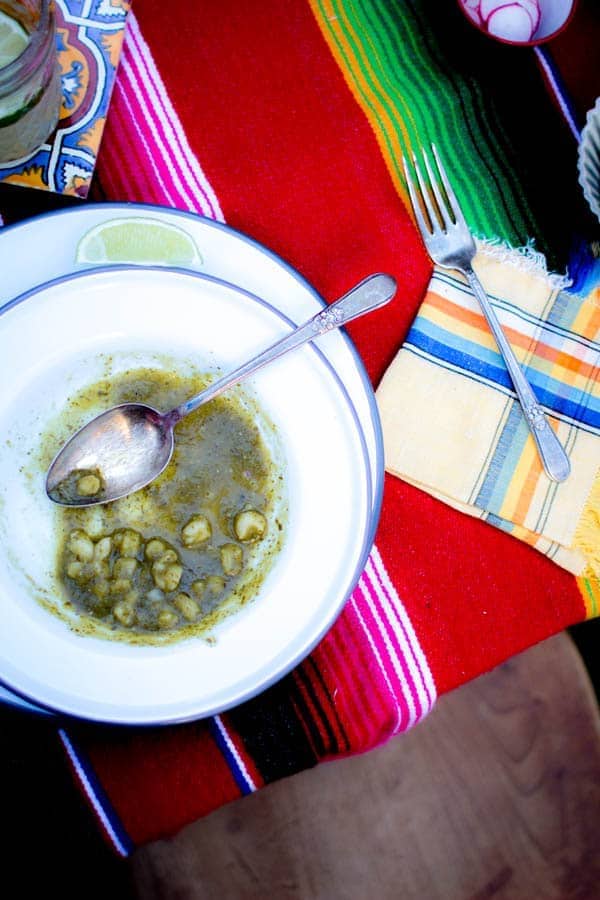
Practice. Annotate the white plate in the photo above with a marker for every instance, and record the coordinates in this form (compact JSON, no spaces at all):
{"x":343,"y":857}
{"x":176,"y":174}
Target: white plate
{"x":57,"y":339}
{"x":44,"y":248}
{"x":588,"y":159}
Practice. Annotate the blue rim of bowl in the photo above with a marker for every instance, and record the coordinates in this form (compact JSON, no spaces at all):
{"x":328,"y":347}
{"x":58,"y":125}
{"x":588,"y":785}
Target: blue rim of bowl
{"x":34,"y":705}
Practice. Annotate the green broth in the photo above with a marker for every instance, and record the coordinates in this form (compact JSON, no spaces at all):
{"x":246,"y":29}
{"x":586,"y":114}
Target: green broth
{"x":222,"y":467}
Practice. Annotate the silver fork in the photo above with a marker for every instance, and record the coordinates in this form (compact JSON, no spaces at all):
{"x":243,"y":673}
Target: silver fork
{"x":450,"y":244}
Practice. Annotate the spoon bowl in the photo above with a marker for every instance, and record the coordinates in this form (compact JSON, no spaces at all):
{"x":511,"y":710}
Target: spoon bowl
{"x":128,"y":446}
{"x":129,"y":441}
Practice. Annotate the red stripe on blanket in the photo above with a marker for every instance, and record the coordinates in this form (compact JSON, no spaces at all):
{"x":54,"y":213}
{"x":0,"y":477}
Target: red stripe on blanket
{"x":290,"y":156}
{"x":363,"y":701}
{"x":322,"y":718}
{"x":475,"y":596}
{"x":173,"y":767}
{"x":308,"y":713}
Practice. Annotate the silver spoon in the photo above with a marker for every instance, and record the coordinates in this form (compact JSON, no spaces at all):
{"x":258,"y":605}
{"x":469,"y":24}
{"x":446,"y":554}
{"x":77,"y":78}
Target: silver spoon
{"x":128,"y":446}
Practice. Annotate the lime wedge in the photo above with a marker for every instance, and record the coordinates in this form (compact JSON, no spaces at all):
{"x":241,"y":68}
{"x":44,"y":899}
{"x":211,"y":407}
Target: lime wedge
{"x":13,"y":39}
{"x":138,"y":240}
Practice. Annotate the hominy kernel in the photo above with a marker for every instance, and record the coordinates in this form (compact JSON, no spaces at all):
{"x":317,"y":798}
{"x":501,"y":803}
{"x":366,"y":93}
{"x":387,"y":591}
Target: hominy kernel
{"x":81,"y":545}
{"x":188,"y":607}
{"x":155,"y":548}
{"x":124,"y":613}
{"x":169,"y":556}
{"x":196,"y":531}
{"x":75,"y":570}
{"x":232,"y":559}
{"x":166,"y":618}
{"x":167,"y":577}
{"x":249,"y":525}
{"x":198,"y":587}
{"x":215,"y":584}
{"x":88,"y":485}
{"x":125,"y":567}
{"x":103,"y":548}
{"x":131,"y":542}
{"x":120,"y":586}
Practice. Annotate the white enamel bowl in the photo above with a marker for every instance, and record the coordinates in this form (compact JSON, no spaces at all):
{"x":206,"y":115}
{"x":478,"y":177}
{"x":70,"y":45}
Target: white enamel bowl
{"x":60,"y":337}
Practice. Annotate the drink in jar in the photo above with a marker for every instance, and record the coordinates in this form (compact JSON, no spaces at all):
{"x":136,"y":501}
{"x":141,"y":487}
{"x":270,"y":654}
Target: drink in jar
{"x":30,"y":84}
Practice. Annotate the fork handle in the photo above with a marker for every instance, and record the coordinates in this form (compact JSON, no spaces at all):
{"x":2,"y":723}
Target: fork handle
{"x":552,"y":454}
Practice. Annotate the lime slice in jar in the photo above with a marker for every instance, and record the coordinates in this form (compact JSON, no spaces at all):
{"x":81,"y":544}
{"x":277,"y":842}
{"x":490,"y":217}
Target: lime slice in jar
{"x":138,"y":240}
{"x":13,"y":40}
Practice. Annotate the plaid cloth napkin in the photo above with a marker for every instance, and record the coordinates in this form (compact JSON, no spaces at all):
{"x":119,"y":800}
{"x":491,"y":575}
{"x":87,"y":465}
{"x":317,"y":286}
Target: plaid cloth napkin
{"x":453,"y":427}
{"x":287,"y":120}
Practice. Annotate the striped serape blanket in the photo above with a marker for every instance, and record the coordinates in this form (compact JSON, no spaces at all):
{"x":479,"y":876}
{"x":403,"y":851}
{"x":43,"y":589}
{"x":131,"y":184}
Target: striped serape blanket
{"x":287,"y":121}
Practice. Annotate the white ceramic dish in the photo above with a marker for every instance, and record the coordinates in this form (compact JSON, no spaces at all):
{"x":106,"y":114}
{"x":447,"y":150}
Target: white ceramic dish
{"x":56,"y":339}
{"x":588,"y":159}
{"x":226,"y":254}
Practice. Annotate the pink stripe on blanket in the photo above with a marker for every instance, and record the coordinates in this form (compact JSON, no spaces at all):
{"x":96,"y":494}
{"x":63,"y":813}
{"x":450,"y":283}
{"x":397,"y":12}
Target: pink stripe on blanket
{"x":393,"y":664}
{"x":373,"y":663}
{"x":400,"y":624}
{"x":168,"y":123}
{"x":376,"y":685}
{"x":125,"y":165}
{"x":381,"y":671}
{"x":133,"y":146}
{"x":352,"y":705}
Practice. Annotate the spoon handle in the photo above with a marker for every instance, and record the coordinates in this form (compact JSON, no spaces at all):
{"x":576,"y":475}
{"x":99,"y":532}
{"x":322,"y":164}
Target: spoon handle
{"x":374,"y":291}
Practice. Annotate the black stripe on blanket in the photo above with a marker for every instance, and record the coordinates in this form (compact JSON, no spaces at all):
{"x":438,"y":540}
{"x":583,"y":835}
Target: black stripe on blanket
{"x":272,"y":733}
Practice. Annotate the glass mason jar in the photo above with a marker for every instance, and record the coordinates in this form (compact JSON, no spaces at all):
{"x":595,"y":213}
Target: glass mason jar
{"x":30,"y":83}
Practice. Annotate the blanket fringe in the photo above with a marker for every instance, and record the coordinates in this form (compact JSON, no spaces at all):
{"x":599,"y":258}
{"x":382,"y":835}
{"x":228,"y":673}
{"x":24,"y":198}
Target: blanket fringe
{"x":525,"y":259}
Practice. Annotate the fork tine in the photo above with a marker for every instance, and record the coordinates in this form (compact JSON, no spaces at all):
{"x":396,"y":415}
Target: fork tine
{"x":423,"y":225}
{"x":433,"y":217}
{"x":452,"y":199}
{"x":439,"y":197}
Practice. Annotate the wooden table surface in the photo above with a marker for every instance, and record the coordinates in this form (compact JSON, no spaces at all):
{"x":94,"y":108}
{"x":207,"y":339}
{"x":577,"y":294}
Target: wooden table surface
{"x":496,"y":794}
